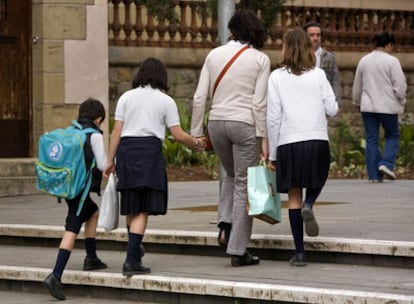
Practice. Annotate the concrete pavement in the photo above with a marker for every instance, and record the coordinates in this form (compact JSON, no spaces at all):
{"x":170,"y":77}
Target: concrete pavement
{"x":353,"y":215}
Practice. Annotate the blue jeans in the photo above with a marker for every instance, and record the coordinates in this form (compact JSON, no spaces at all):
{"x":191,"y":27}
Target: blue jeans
{"x":373,"y":156}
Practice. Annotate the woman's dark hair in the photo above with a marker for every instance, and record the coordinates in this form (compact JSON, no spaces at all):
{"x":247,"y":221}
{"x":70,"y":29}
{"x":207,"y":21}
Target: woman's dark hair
{"x":247,"y":27}
{"x":91,"y":109}
{"x":152,"y":72}
{"x":298,"y":54}
{"x":383,"y":39}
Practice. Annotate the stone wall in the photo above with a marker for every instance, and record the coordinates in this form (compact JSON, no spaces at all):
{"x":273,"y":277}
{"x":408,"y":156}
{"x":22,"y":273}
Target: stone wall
{"x":184,"y":66}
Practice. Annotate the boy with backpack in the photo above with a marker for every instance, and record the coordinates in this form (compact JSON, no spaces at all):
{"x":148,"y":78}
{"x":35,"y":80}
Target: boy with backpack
{"x":91,"y":115}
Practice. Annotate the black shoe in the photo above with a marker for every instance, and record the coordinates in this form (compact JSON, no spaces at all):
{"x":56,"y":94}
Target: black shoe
{"x":54,"y":286}
{"x":298,"y":260}
{"x":132,"y":269}
{"x":244,"y":260}
{"x":93,"y":264}
{"x":311,"y":226}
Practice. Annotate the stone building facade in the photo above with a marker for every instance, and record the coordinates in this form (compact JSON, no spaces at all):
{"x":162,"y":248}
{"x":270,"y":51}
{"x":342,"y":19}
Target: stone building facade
{"x":70,"y":60}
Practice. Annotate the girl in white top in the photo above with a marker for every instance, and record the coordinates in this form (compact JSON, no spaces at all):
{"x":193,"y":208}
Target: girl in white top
{"x":299,"y":98}
{"x":141,"y":117}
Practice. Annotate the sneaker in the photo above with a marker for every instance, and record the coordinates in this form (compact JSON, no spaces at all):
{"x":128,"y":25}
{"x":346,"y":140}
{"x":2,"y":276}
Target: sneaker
{"x":387,"y":172}
{"x":93,"y":264}
{"x":132,"y":269}
{"x":54,"y":286}
{"x":298,"y":260}
{"x":311,"y":226}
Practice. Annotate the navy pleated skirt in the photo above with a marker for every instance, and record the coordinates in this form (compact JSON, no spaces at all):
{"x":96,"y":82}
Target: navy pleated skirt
{"x":142,"y":177}
{"x":302,"y":165}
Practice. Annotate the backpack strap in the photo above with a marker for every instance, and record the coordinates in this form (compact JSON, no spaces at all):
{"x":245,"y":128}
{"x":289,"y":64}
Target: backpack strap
{"x":77,"y":125}
{"x":86,"y":189}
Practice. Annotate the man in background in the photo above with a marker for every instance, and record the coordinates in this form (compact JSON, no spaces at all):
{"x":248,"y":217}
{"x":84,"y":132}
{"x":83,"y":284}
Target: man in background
{"x":379,"y":91}
{"x":324,"y":59}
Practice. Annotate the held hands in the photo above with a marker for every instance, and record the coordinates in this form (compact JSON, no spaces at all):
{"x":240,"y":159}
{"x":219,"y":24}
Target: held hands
{"x":200,"y":145}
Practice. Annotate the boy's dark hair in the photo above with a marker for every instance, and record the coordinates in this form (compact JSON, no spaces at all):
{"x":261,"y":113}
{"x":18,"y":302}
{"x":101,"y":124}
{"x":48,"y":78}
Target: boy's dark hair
{"x":312,"y":24}
{"x":247,"y":27}
{"x":91,"y":109}
{"x":152,"y":72}
{"x":383,"y":39}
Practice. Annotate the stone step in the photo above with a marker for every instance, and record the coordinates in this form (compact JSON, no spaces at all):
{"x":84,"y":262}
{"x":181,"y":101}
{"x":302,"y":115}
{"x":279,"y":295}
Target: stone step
{"x":17,"y":176}
{"x":178,"y":278}
{"x":269,"y":246}
{"x":17,"y":167}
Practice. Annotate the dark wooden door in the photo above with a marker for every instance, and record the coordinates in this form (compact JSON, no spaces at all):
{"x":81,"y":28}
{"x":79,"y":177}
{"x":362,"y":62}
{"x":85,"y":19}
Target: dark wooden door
{"x":15,"y":82}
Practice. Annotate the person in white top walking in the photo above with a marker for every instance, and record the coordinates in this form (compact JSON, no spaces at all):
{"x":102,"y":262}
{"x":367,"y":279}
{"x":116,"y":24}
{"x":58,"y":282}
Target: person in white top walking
{"x":142,"y":115}
{"x":237,"y":124}
{"x":379,"y":92}
{"x":299,"y":98}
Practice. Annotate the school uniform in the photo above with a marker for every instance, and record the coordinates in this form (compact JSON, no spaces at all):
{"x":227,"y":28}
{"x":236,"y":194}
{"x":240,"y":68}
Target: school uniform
{"x":140,"y":164}
{"x":93,"y":148}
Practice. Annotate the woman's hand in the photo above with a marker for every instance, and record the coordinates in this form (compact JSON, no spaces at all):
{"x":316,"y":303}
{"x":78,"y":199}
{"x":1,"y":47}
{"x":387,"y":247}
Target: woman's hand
{"x":265,"y":149}
{"x":201,"y":144}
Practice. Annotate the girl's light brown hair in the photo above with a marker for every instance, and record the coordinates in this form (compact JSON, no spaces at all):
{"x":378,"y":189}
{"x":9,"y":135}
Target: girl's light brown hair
{"x":298,"y":54}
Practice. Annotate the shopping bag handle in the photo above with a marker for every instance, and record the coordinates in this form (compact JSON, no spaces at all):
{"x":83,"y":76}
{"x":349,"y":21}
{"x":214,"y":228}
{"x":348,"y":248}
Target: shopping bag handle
{"x":263,"y":163}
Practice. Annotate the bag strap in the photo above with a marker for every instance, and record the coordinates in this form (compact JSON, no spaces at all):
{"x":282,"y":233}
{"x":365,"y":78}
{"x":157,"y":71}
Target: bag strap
{"x":86,"y":189}
{"x":227,"y":66}
{"x":84,"y":130}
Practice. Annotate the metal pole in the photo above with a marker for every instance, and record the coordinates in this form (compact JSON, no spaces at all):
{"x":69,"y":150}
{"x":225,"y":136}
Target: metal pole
{"x":226,"y":10}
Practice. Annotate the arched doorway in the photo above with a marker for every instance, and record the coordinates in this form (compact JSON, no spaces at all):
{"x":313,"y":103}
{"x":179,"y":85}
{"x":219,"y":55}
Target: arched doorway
{"x":15,"y":78}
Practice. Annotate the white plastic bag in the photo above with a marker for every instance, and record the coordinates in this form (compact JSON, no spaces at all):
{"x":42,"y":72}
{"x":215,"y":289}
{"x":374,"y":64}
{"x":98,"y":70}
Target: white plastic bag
{"x":109,"y":211}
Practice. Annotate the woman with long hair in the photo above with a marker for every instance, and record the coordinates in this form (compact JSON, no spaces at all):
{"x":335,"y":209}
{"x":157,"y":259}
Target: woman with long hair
{"x":299,"y":98}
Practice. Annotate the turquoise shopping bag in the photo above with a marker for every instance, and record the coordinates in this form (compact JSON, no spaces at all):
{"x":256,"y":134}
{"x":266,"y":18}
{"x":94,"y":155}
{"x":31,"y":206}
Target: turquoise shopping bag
{"x":263,"y":199}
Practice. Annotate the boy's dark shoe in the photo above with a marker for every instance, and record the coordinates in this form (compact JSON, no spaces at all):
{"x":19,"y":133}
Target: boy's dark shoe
{"x":54,"y":286}
{"x":132,"y":269}
{"x":298,"y":260}
{"x":93,"y":264}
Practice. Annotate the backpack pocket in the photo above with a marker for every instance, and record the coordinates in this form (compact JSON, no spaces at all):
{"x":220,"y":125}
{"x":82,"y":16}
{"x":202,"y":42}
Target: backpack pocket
{"x":53,"y":181}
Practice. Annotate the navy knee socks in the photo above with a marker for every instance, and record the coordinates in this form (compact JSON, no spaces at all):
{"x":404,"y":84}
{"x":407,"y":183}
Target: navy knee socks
{"x":90,"y":246}
{"x":311,"y":196}
{"x":296,"y":226}
{"x":61,"y":261}
{"x":133,"y":248}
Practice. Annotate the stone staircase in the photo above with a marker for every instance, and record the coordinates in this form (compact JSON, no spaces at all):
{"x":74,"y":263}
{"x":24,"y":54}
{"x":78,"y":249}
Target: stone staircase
{"x":364,"y":256}
{"x":17,"y":176}
{"x":189,"y":267}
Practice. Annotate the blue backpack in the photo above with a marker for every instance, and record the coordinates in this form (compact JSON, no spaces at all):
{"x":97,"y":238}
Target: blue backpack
{"x":61,"y":170}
